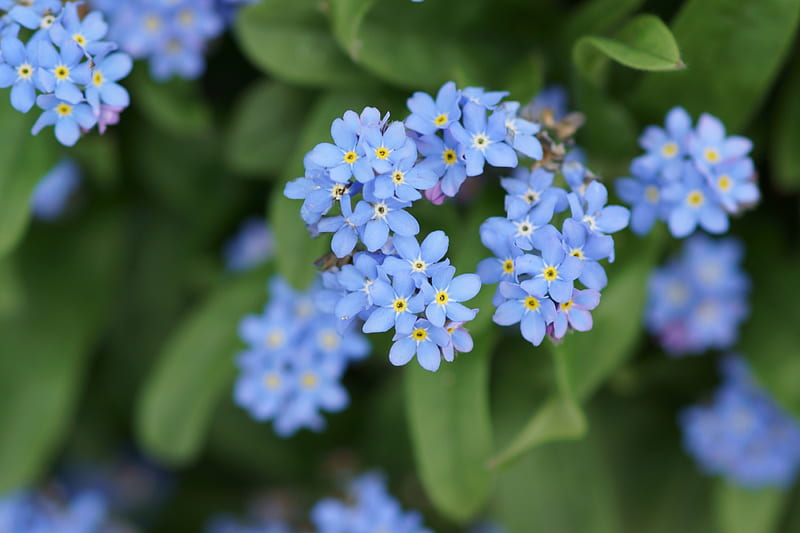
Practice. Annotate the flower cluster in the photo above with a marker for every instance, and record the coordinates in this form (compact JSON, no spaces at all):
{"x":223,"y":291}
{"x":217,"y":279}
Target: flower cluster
{"x":252,"y":245}
{"x":295,"y":360}
{"x":698,"y":301}
{"x":52,"y":51}
{"x":52,"y":194}
{"x":370,"y":175}
{"x":743,"y":435}
{"x":28,"y":511}
{"x":172,"y":36}
{"x":689,"y":176}
{"x":536,"y":265}
{"x":368,"y":507}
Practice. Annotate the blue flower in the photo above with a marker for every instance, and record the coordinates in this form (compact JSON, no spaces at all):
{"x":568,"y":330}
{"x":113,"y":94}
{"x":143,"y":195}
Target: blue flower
{"x":427,"y":116}
{"x":550,"y":105}
{"x":665,"y":147}
{"x":415,"y":260}
{"x":252,"y":245}
{"x":24,"y":76}
{"x":742,"y":434}
{"x":483,"y":140}
{"x":384,"y":149}
{"x":501,"y":267}
{"x":527,"y":189}
{"x":396,"y":305}
{"x":554,"y":272}
{"x":357,"y":279}
{"x":734,"y":184}
{"x":104,"y":88}
{"x":52,"y":194}
{"x":590,"y":248}
{"x":404,"y":180}
{"x":460,"y":340}
{"x":593,"y":211}
{"x":345,"y":227}
{"x":65,"y":70}
{"x":422,"y":339}
{"x":575,"y":312}
{"x":481,"y":97}
{"x":264,"y":385}
{"x":709,"y":145}
{"x":527,"y":304}
{"x":86,"y":33}
{"x":444,"y":294}
{"x":521,"y":133}
{"x":384,"y":215}
{"x":67,"y":118}
{"x":647,"y":199}
{"x":441,"y":156}
{"x":344,"y":159}
{"x":696,"y":206}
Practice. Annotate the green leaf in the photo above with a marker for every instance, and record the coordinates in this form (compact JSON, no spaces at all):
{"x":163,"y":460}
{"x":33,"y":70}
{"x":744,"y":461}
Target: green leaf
{"x":733,"y":48}
{"x":448,"y":415}
{"x":585,"y":360}
{"x":595,"y":17}
{"x":24,"y":160}
{"x":410,"y":45}
{"x":771,"y":345}
{"x":295,"y":250}
{"x":740,"y":510}
{"x":291,"y":40}
{"x":195,"y":370}
{"x":177,"y":106}
{"x":45,"y":345}
{"x":268,"y":110}
{"x":783,"y":152}
{"x":645,"y":43}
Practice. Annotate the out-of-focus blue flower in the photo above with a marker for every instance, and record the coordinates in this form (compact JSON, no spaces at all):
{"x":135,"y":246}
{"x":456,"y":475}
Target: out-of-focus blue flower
{"x":550,"y":105}
{"x":367,"y":508}
{"x":742,"y":434}
{"x":698,"y":301}
{"x":295,"y":361}
{"x":252,"y":245}
{"x":31,"y":512}
{"x":689,"y":177}
{"x":53,"y":192}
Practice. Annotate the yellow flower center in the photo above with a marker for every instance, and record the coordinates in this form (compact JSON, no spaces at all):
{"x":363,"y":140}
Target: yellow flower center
{"x":272,"y":380}
{"x":651,"y":194}
{"x":61,"y":72}
{"x":80,"y":39}
{"x":669,"y":150}
{"x":508,"y":266}
{"x":152,"y":23}
{"x":25,"y":71}
{"x":550,"y":273}
{"x":724,"y":183}
{"x":420,"y":334}
{"x":441,"y":120}
{"x":695,"y":198}
{"x":309,"y":380}
{"x":350,"y":157}
{"x":380,"y":210}
{"x":64,"y":110}
{"x":531,"y":303}
{"x":442,"y":297}
{"x":186,"y":17}
{"x":418,"y":266}
{"x":398,"y":177}
{"x":381,"y":153}
{"x":480,"y":141}
{"x":711,"y":155}
{"x":330,"y":339}
{"x":274,"y":339}
{"x":566,"y":305}
{"x":576,"y":252}
{"x":400,"y":305}
{"x":97,"y":78}
{"x":449,"y":156}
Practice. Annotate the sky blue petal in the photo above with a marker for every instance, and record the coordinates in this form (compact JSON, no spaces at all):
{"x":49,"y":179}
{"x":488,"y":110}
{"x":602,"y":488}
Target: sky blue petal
{"x":682,"y":221}
{"x":613,"y":218}
{"x":434,"y":246}
{"x":25,"y":16}
{"x":490,"y":270}
{"x":48,"y":118}
{"x":68,"y":92}
{"x":643,"y":217}
{"x":460,"y":313}
{"x":570,"y":269}
{"x":93,"y":26}
{"x":23,"y":96}
{"x":382,"y":319}
{"x":404,"y":322}
{"x":511,"y":290}
{"x":8,"y":75}
{"x":382,"y":293}
{"x":533,"y":328}
{"x":116,"y":66}
{"x":402,"y":351}
{"x":560,"y":290}
{"x":596,"y":197}
{"x":529,"y":146}
{"x":13,"y":51}
{"x":465,"y":287}
{"x":84,"y":116}
{"x":326,"y":155}
{"x":560,"y":325}
{"x":67,"y":131}
{"x":436,"y":314}
{"x":402,"y":222}
{"x":587,"y":298}
{"x":344,"y":240}
{"x":343,"y":135}
{"x":713,"y":219}
{"x":362,"y":170}
{"x":351,"y":304}
{"x":475,"y":162}
{"x":115,"y":95}
{"x":500,"y":154}
{"x":419,"y":124}
{"x":508,"y":313}
{"x":580,"y":319}
{"x":376,"y":233}
{"x":536,"y":287}
{"x":462,"y":341}
{"x":528,"y":264}
{"x":593,"y":275}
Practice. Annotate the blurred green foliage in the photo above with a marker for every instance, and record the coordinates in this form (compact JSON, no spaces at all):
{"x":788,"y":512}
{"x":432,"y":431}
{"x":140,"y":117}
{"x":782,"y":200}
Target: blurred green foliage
{"x":118,"y":323}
